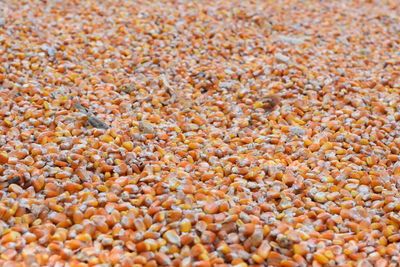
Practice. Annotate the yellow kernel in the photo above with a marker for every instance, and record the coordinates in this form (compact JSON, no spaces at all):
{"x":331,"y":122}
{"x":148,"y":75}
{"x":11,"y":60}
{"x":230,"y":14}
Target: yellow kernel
{"x":347,"y":251}
{"x":107,"y":138}
{"x":84,"y":237}
{"x":185,"y":225}
{"x":327,"y":146}
{"x":299,"y":121}
{"x":46,"y":105}
{"x":137,"y":149}
{"x":299,"y":249}
{"x":224,"y":248}
{"x":7,"y":122}
{"x":267,"y":230}
{"x":364,"y":142}
{"x":258,"y":104}
{"x":304,"y":236}
{"x":37,"y":222}
{"x":128,"y":145}
{"x":57,"y":208}
{"x":307,"y":142}
{"x":341,"y":151}
{"x":329,"y":254}
{"x":378,"y":189}
{"x":321,"y":258}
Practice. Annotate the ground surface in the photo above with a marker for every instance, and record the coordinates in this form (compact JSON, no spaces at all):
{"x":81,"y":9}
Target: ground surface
{"x":199,"y":133}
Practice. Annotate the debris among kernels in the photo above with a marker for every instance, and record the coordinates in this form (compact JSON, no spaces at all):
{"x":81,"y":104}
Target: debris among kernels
{"x":91,"y":118}
{"x":96,"y":123}
{"x":270,"y":102}
{"x":146,"y":128}
{"x":14,"y":180}
{"x":127,"y":88}
{"x":171,"y":90}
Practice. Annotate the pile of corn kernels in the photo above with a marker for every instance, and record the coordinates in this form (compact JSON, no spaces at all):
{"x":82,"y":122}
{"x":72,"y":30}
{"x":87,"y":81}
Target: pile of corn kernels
{"x":199,"y":133}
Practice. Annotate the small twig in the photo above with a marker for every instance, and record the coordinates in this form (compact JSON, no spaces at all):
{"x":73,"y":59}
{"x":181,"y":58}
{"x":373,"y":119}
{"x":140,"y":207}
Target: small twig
{"x":171,"y":90}
{"x":95,"y":122}
{"x":127,"y":88}
{"x":81,"y":108}
{"x":14,"y":180}
{"x":92,"y":119}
